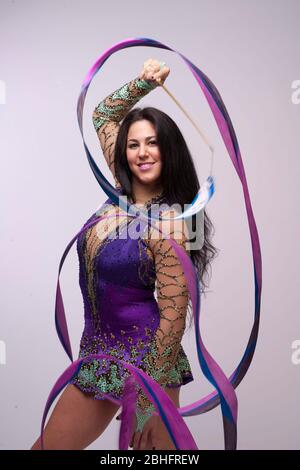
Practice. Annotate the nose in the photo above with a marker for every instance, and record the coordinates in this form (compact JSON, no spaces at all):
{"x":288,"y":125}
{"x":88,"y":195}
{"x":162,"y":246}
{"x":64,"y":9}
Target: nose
{"x":143,"y":152}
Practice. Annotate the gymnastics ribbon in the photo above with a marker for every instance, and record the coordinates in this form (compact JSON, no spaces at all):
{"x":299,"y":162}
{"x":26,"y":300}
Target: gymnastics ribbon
{"x":224,"y":393}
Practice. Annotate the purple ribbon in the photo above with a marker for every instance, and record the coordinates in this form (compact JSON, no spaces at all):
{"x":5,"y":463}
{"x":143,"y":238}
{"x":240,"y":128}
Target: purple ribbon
{"x":224,"y":392}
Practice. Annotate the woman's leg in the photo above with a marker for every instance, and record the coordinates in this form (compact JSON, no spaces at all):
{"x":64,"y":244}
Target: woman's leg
{"x":76,"y":421}
{"x":173,"y":393}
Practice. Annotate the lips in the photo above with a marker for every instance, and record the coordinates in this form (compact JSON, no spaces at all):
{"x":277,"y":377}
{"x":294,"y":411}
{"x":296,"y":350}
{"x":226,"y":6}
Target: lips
{"x":145,"y":166}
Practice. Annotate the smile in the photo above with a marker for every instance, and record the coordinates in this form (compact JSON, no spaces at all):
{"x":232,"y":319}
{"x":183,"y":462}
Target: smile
{"x":145,"y":166}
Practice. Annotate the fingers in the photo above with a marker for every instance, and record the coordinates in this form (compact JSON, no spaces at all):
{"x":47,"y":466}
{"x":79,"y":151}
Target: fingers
{"x":152,"y":71}
{"x":144,"y":443}
{"x":152,"y":441}
{"x":136,"y":440}
{"x":132,"y":440}
{"x":141,"y":441}
{"x":147,"y":72}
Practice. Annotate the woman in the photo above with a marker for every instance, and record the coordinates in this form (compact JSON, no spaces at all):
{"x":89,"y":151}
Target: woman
{"x":119,"y":271}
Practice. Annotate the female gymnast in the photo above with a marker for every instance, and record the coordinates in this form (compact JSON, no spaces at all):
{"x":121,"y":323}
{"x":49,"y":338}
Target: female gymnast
{"x":123,"y":266}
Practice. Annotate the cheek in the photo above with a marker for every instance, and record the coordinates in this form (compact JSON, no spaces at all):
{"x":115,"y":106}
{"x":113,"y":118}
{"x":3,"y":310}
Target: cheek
{"x":130,"y":157}
{"x":158,"y":157}
{"x":158,"y":154}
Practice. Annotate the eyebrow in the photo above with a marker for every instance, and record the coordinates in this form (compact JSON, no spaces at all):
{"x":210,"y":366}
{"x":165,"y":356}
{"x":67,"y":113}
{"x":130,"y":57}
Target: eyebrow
{"x":147,"y":138}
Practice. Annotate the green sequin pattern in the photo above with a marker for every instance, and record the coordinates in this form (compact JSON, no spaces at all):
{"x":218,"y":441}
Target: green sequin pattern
{"x":104,"y":376}
{"x":129,"y":94}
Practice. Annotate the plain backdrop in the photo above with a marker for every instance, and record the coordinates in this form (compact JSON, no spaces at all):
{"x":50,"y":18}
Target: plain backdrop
{"x":250,"y":50}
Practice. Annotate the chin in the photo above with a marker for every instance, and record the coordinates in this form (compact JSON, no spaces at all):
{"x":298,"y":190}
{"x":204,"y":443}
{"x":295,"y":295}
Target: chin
{"x":148,"y":180}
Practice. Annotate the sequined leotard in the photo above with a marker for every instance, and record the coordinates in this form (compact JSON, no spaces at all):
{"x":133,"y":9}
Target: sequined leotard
{"x":118,"y":275}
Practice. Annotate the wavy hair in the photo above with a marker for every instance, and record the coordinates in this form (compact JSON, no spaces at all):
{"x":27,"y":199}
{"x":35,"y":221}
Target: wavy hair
{"x":178,"y":176}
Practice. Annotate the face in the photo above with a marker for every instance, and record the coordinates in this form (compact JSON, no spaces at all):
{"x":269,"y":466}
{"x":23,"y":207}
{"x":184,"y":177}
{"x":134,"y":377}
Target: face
{"x":143,"y":154}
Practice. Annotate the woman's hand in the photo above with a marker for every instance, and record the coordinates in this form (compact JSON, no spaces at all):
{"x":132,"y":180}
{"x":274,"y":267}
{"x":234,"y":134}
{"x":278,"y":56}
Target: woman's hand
{"x":153,"y":436}
{"x":151,"y":71}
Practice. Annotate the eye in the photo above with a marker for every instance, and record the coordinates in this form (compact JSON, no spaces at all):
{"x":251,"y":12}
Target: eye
{"x":152,"y":142}
{"x":132,"y":145}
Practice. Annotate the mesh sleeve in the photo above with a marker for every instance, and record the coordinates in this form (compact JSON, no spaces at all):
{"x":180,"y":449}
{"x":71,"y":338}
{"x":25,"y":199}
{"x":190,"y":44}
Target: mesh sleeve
{"x":172,"y":299}
{"x":109,"y":112}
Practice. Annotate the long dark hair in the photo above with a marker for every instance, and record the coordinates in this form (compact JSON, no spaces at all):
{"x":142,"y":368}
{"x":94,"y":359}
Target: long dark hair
{"x":178,"y":177}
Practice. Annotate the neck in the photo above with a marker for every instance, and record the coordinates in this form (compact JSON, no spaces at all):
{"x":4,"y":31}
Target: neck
{"x":142,"y":194}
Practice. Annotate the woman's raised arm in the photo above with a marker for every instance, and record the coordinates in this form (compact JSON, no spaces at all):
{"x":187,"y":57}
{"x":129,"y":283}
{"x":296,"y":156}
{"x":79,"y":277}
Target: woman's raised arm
{"x":109,"y":113}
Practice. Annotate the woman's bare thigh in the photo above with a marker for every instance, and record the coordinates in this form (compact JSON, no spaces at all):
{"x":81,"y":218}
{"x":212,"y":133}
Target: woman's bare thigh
{"x":77,"y":420}
{"x":173,"y":393}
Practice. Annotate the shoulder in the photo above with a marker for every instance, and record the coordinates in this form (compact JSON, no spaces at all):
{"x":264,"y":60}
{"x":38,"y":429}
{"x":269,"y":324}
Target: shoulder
{"x":108,"y":203}
{"x":162,"y":230}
